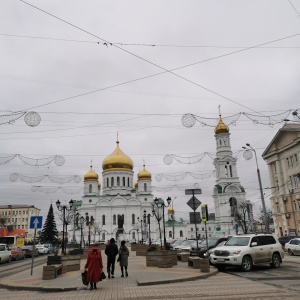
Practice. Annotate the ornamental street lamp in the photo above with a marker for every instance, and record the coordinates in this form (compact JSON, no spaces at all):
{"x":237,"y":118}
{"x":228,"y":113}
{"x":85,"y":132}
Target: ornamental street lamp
{"x":141,"y":229}
{"x":65,"y":220}
{"x":89,"y":223}
{"x":81,"y":222}
{"x":160,"y":204}
{"x":266,"y":220}
{"x":148,"y":220}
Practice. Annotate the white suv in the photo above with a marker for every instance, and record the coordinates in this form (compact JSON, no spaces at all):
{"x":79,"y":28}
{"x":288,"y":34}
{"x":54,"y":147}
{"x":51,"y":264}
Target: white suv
{"x":248,"y":250}
{"x":5,"y":254}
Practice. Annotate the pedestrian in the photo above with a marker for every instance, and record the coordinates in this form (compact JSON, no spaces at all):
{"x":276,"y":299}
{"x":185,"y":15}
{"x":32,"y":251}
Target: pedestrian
{"x":111,"y":251}
{"x":94,"y":265}
{"x":123,"y":258}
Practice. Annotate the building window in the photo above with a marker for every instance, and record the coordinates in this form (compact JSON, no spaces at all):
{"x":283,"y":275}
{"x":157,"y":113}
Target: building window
{"x":103,"y":219}
{"x":192,"y":229}
{"x":209,"y":229}
{"x":112,"y":182}
{"x":118,"y":181}
{"x":170,"y":233}
{"x":278,"y":208}
{"x":298,"y":202}
{"x":107,"y":182}
{"x":114,"y":219}
{"x":128,"y":181}
{"x":133,"y":235}
{"x":103,"y":236}
{"x":90,"y":188}
{"x":202,"y":229}
{"x":133,"y":218}
{"x":181,"y":233}
{"x":145,"y":187}
{"x":123,"y":181}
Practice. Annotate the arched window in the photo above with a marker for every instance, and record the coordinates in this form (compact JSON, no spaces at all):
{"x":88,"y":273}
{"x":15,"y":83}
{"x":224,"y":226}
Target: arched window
{"x":128,"y":181}
{"x":107,"y":182}
{"x":181,"y":233}
{"x":230,"y":169}
{"x":114,"y":219}
{"x":133,"y":218}
{"x":90,"y":188}
{"x":112,"y":182}
{"x":133,"y":235}
{"x":123,"y":218}
{"x":170,"y":233}
{"x":118,"y":181}
{"x":103,"y":236}
{"x":145,"y":187}
{"x":103,"y":219}
{"x":124,"y":181}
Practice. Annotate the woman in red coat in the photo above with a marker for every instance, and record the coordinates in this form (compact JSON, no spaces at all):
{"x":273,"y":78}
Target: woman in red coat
{"x":94,"y":265}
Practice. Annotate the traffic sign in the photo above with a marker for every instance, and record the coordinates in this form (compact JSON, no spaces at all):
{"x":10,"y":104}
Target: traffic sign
{"x":193,"y":191}
{"x":36,"y":222}
{"x":193,"y":203}
{"x":204,"y":213}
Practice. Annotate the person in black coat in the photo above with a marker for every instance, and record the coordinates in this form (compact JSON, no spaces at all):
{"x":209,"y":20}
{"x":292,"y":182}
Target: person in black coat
{"x":111,"y":251}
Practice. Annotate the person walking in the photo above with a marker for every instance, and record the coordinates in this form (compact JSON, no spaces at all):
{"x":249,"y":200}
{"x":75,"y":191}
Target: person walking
{"x":123,"y":258}
{"x":111,"y":250}
{"x":94,"y":265}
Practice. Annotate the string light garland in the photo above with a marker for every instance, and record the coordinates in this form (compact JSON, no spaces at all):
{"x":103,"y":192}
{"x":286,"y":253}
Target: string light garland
{"x":32,"y":179}
{"x":35,"y":162}
{"x":180,"y":176}
{"x":31,"y":118}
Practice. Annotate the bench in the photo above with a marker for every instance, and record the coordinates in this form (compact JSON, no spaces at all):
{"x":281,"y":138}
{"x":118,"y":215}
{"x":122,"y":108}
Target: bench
{"x":183,"y":256}
{"x":194,"y":262}
{"x":51,"y":272}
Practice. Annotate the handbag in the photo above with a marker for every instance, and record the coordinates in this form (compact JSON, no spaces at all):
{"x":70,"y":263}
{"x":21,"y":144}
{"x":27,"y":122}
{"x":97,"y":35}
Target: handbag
{"x":103,"y":276}
{"x":84,"y":277}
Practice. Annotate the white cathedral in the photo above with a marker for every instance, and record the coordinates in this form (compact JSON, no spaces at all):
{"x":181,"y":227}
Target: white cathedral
{"x":120,"y":200}
{"x":121,"y":203}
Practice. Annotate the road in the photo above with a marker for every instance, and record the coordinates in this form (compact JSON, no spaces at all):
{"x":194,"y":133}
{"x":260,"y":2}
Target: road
{"x":287,"y":277}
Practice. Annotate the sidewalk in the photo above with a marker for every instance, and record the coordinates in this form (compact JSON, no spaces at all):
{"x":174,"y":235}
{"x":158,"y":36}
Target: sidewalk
{"x":139,"y":275}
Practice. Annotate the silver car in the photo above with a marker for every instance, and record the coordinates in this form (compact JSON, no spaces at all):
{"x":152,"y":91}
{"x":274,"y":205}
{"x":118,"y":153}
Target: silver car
{"x":293,"y":246}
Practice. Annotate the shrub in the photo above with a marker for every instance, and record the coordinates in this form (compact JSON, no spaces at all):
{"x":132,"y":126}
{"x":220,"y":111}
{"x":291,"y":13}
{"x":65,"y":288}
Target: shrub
{"x":152,"y":248}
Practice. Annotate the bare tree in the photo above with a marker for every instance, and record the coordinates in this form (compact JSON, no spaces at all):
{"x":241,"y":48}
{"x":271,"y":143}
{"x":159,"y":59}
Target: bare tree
{"x":242,"y":216}
{"x":3,"y":222}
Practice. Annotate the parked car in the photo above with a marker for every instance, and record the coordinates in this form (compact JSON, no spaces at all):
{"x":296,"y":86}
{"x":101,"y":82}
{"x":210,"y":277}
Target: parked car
{"x":17,"y":253}
{"x":29,"y":251}
{"x":210,"y":251}
{"x":248,"y":250}
{"x":50,"y":248}
{"x":205,"y":245}
{"x":293,"y":246}
{"x":5,"y":253}
{"x":42,"y":249}
{"x":284,"y":239}
{"x":186,"y":243}
{"x":177,"y":243}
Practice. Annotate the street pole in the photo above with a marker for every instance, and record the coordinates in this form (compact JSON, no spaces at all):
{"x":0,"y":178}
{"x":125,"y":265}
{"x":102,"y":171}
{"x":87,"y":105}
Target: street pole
{"x":149,"y":229}
{"x":195,"y":222}
{"x":165,"y":240}
{"x":266,"y":220}
{"x":173,"y":217}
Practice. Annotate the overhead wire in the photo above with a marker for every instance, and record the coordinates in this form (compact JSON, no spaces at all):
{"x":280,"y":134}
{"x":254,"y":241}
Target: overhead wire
{"x":149,"y":62}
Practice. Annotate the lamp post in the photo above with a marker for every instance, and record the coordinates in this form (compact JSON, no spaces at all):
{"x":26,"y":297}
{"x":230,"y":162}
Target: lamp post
{"x":266,"y":220}
{"x":89,"y":223}
{"x":173,"y":219}
{"x":64,"y":208}
{"x":81,"y":222}
{"x":161,"y":205}
{"x":147,"y":217}
{"x":141,"y":229}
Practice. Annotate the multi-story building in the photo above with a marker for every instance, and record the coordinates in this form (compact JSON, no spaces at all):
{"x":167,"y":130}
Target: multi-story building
{"x":283,"y":159}
{"x":18,"y":216}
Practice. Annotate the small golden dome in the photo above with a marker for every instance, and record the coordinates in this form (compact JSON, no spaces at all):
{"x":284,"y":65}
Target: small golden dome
{"x":221,"y":127}
{"x":136,"y":184}
{"x":144,"y":174}
{"x":99,"y":185}
{"x":117,"y":160}
{"x":91,"y":175}
{"x":170,"y":211}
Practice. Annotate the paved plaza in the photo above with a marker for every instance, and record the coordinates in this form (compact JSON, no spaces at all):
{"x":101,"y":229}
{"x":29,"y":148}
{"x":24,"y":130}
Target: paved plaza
{"x":178,"y":282}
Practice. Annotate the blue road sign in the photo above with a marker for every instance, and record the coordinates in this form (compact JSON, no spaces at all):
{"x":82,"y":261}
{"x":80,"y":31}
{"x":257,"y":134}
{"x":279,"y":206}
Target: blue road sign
{"x":36,"y":222}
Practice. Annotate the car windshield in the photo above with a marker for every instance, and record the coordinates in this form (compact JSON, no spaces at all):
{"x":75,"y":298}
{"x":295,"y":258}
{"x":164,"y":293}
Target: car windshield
{"x":238,"y":241}
{"x":177,"y":242}
{"x":186,"y":243}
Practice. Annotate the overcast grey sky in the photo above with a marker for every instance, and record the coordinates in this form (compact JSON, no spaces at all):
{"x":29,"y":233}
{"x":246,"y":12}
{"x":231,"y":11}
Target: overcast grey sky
{"x":45,"y":60}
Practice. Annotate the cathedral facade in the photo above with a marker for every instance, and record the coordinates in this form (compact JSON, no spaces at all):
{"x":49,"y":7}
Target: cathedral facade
{"x":119,"y":206}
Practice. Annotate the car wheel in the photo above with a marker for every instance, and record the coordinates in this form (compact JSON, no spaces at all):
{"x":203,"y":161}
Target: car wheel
{"x":221,"y":268}
{"x":247,"y":264}
{"x":275,"y":261}
{"x":9,"y":259}
{"x":290,"y":252}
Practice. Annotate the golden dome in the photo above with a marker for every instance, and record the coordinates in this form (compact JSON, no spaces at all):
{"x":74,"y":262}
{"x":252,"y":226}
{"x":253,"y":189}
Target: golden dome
{"x":91,"y":175}
{"x":221,"y":127}
{"x":117,"y":160}
{"x":136,"y":184}
{"x":170,"y":211}
{"x":144,"y":174}
{"x":99,"y":185}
